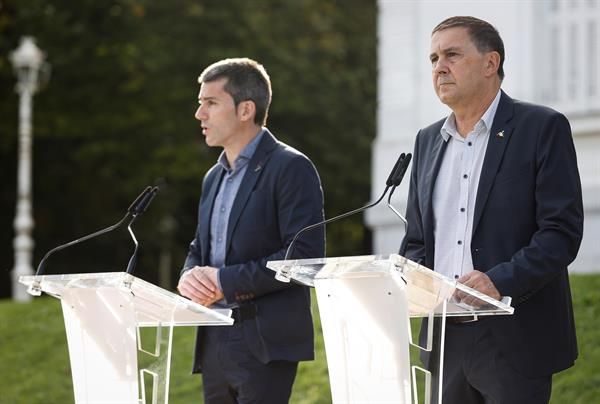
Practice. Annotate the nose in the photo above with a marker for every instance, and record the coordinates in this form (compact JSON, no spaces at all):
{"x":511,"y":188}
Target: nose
{"x":440,"y":67}
{"x":200,"y":113}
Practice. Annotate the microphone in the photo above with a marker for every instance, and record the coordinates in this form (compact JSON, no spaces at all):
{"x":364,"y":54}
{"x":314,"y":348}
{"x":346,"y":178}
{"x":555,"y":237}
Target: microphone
{"x":137,"y":207}
{"x":399,"y":174}
{"x":388,"y":184}
{"x":396,"y":180}
{"x":136,"y":204}
{"x":390,"y":180}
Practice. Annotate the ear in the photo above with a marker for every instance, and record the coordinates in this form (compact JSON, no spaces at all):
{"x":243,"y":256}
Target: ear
{"x":492,"y":63}
{"x":246,"y":110}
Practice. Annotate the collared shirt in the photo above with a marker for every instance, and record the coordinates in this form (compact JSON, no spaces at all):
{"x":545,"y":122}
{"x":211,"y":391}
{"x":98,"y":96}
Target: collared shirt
{"x":455,"y":193}
{"x":228,"y":190}
{"x":230,"y":184}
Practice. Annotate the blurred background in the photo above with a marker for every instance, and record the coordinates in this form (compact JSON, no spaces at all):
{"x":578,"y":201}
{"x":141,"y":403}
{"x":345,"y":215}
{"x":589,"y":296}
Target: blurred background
{"x":552,"y":58}
{"x":351,"y":86}
{"x":351,"y":82}
{"x":117,"y":112}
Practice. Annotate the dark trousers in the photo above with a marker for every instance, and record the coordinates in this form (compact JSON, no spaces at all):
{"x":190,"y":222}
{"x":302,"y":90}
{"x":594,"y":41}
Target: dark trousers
{"x":231,"y":374}
{"x":476,"y":372}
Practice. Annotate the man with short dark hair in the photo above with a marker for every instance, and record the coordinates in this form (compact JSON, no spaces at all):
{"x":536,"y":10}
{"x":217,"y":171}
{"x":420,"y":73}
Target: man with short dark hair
{"x":254,"y":200}
{"x":495,"y":202}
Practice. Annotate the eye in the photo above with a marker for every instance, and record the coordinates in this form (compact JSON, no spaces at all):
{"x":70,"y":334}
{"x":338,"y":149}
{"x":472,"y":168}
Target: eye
{"x":206,"y":102}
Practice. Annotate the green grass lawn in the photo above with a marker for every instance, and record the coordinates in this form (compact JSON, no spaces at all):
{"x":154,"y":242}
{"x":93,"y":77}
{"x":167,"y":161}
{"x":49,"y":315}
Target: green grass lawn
{"x":35,"y":367}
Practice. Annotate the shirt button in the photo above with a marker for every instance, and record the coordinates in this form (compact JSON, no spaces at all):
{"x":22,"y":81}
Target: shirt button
{"x":219,"y":239}
{"x":465,"y":176}
{"x":470,"y":143}
{"x":229,"y":180}
{"x":462,"y":209}
{"x":456,"y":276}
{"x":222,"y":209}
{"x":459,"y":242}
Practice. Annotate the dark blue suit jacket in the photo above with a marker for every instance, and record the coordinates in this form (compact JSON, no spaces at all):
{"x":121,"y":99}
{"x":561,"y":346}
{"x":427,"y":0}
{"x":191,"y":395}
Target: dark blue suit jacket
{"x":279,"y":195}
{"x":528,"y":224}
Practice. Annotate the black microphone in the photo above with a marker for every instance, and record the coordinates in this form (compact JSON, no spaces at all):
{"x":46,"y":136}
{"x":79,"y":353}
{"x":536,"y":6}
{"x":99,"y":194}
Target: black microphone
{"x":396,"y":180}
{"x":399,"y":174}
{"x":134,"y":207}
{"x":390,"y":180}
{"x":131,"y":211}
{"x":137,"y":211}
{"x":389,"y":183}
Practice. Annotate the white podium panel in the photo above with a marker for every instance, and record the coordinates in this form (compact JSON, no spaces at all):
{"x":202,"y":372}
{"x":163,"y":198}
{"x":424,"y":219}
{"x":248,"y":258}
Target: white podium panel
{"x":120,"y":333}
{"x":366,"y":304}
{"x":363,"y":355}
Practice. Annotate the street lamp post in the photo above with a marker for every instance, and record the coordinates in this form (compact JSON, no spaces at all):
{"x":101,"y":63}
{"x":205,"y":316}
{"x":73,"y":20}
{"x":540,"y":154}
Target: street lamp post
{"x":27,"y":61}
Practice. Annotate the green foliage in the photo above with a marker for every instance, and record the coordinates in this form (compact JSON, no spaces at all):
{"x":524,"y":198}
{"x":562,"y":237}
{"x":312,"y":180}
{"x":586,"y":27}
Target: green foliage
{"x":36,"y":368}
{"x":117,"y":113}
{"x":581,"y":384}
{"x":33,"y":342}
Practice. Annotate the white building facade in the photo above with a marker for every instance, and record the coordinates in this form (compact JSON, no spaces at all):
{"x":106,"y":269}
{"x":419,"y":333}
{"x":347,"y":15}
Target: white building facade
{"x":552,"y":58}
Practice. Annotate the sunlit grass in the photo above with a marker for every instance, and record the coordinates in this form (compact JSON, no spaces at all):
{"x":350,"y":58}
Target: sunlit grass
{"x":35,"y":367}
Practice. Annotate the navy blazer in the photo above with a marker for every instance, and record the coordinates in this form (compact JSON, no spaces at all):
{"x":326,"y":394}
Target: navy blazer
{"x":279,"y":195}
{"x":527,"y":227}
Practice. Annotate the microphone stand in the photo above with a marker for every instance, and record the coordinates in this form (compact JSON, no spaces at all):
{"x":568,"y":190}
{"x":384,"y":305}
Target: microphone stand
{"x":134,"y":210}
{"x":389,"y":183}
{"x":397,"y":213}
{"x":139,"y":209}
{"x":397,"y":179}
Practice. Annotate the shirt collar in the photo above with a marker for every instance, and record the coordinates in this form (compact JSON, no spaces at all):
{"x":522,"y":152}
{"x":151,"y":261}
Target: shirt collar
{"x":244,"y":156}
{"x":487,"y":119}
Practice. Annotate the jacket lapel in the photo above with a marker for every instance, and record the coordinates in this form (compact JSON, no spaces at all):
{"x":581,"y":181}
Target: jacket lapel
{"x":206,"y":213}
{"x":437,"y":154}
{"x":253,"y":173}
{"x":499,"y":138}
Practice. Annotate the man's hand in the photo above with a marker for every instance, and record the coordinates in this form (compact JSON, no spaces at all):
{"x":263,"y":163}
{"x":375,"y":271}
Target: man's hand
{"x":200,"y":285}
{"x":480,"y":282}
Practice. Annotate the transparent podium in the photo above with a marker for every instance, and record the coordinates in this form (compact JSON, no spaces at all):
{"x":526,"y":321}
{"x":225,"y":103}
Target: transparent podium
{"x":120,"y":333}
{"x":368,"y":306}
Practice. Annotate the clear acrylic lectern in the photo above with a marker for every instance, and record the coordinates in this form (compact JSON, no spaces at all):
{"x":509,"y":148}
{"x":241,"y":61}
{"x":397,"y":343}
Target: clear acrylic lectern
{"x":366,"y":304}
{"x":120,"y":332}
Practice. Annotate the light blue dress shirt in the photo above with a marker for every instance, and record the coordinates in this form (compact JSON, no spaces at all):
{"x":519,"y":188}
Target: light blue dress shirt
{"x":455,"y":192}
{"x":224,"y":199}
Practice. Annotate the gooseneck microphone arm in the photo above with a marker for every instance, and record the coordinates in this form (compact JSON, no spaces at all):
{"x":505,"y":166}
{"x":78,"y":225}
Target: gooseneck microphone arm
{"x":130,"y":212}
{"x":133,"y":259}
{"x":397,"y":179}
{"x":140,"y":208}
{"x":389,"y":183}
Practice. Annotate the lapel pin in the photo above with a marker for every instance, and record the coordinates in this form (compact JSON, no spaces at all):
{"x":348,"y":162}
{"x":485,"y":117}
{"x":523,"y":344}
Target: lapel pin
{"x":500,"y":134}
{"x":258,"y":167}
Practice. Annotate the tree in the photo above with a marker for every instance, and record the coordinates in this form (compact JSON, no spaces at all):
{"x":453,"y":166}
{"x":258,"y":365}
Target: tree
{"x":117,"y":114}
